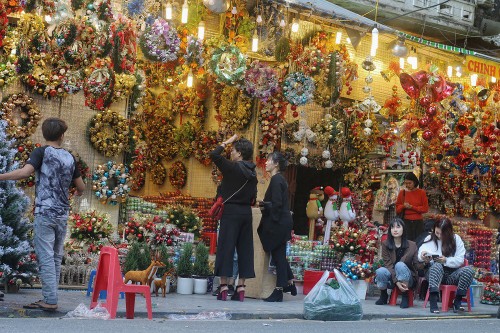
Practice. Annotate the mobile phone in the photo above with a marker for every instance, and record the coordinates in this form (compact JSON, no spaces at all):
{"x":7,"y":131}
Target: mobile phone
{"x":435,"y":256}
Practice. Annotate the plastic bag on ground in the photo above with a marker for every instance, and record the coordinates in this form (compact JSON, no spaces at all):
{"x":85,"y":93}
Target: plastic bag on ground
{"x":82,"y":312}
{"x":326,"y":303}
{"x":202,"y":316}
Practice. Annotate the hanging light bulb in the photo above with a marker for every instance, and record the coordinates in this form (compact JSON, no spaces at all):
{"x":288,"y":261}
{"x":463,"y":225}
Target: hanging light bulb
{"x":412,"y":61}
{"x":375,"y":38}
{"x":255,"y":41}
{"x":295,"y":25}
{"x":473,"y":80}
{"x":493,"y":79}
{"x":338,"y":37}
{"x":234,"y":11}
{"x":48,"y":18}
{"x":458,"y":73}
{"x":402,"y":63}
{"x":259,"y":19}
{"x":201,"y":30}
{"x":449,"y":71}
{"x":373,"y":51}
{"x":185,"y":11}
{"x":168,"y":11}
{"x":282,"y":23}
{"x":190,"y":79}
{"x":348,"y":40}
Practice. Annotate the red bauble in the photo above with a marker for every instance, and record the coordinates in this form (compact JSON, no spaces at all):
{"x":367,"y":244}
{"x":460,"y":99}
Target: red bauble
{"x":53,"y":93}
{"x":425,"y":101}
{"x":295,"y":114}
{"x":20,"y":149}
{"x":427,"y":135}
{"x":294,"y":107}
{"x":446,"y":144}
{"x":496,"y":156}
{"x":423,"y":122}
{"x":431,"y":110}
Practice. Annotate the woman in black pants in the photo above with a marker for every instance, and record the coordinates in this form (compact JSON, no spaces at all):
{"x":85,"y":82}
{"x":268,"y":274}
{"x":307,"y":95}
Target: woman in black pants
{"x":238,"y":189}
{"x":276,"y":226}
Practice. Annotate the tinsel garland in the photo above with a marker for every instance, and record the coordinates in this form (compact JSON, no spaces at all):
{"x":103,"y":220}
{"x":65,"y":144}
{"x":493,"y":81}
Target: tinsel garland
{"x":108,"y":133}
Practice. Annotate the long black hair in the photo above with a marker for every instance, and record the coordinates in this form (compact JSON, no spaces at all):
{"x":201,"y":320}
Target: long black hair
{"x":280,"y":159}
{"x":448,"y":244}
{"x":390,"y":238}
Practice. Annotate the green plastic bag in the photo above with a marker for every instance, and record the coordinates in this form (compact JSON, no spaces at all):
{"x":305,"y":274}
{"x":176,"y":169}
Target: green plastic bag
{"x":326,"y":303}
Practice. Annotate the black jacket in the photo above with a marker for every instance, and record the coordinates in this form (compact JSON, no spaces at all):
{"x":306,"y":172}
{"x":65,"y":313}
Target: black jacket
{"x":235,"y":174}
{"x":276,"y":223}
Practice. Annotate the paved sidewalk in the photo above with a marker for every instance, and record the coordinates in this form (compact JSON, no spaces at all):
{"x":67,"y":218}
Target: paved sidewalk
{"x":290,"y":308}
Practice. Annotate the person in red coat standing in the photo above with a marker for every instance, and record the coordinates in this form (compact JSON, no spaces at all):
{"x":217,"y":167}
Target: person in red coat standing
{"x":411,"y":204}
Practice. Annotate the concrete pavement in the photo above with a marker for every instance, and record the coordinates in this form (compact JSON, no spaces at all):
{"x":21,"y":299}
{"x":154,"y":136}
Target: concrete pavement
{"x":173,"y":303}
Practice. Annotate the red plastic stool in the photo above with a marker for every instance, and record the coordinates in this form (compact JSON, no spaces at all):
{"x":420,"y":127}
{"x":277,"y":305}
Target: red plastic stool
{"x":212,"y":239}
{"x":109,"y":278}
{"x":395,"y":293}
{"x":448,"y":295}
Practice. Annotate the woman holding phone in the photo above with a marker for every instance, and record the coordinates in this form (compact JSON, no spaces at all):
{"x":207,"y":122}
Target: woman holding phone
{"x":444,"y":251}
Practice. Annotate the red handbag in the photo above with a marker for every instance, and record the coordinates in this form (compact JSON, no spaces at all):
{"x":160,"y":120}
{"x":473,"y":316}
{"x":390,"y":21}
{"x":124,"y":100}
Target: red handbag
{"x":217,"y":209}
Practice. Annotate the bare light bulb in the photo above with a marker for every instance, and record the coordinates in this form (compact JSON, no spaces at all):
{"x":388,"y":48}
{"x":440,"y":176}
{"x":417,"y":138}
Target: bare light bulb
{"x":338,"y":37}
{"x":493,"y":79}
{"x":201,"y":30}
{"x":48,"y":18}
{"x":190,"y":79}
{"x":402,"y":63}
{"x":259,"y":19}
{"x":234,"y":11}
{"x":473,"y":80}
{"x":168,"y":11}
{"x":295,"y":26}
{"x":373,"y":51}
{"x":375,"y":38}
{"x":282,"y":23}
{"x":449,"y":71}
{"x":185,"y":11}
{"x":255,"y":42}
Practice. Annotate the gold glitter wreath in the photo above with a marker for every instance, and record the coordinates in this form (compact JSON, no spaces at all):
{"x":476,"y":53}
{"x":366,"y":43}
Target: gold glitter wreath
{"x":108,"y":133}
{"x":25,"y":123}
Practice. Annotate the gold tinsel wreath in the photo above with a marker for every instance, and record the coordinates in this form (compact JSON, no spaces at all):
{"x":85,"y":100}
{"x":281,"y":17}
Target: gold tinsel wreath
{"x":108,"y":133}
{"x":21,"y":114}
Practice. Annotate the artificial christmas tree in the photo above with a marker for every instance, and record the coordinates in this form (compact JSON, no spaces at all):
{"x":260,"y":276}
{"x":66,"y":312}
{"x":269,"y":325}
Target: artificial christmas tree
{"x":17,"y":261}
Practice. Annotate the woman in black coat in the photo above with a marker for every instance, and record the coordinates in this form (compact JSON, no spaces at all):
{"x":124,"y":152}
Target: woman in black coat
{"x":276,"y":226}
{"x":238,"y":189}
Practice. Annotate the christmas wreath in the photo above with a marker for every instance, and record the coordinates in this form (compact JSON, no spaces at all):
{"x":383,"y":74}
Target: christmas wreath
{"x":110,"y":183}
{"x":158,"y":173}
{"x":160,"y":42}
{"x":124,"y":84}
{"x":235,"y":109}
{"x":298,"y":88}
{"x":228,"y":64}
{"x":194,"y":52}
{"x":108,"y":133}
{"x":65,"y":33}
{"x":177,"y":175}
{"x":29,"y":115}
{"x":138,"y":170}
{"x":123,"y":39}
{"x":44,"y":82}
{"x":261,"y":81}
{"x":4,"y":22}
{"x":84,"y":170}
{"x":71,"y":81}
{"x":184,"y":137}
{"x":7,"y":72}
{"x":203,"y":144}
{"x":98,"y":86}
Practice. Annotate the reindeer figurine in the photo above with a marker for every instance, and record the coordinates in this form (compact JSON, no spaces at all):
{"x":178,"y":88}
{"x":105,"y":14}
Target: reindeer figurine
{"x":143,"y":276}
{"x":161,"y":284}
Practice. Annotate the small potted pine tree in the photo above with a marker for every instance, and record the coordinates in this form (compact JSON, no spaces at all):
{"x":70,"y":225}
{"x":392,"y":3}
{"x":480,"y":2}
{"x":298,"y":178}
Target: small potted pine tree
{"x":201,"y":269}
{"x":185,"y":270}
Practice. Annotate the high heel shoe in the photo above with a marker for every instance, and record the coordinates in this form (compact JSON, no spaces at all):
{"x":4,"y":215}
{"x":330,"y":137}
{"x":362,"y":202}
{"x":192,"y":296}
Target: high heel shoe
{"x":276,"y":296}
{"x":222,"y":295}
{"x":239,"y":295}
{"x":291,"y":288}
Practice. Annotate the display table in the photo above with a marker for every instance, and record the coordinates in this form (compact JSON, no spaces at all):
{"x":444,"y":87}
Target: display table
{"x":264,"y":282}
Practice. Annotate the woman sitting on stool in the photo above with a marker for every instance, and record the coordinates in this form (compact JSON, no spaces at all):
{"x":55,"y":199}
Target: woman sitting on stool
{"x":444,"y":251}
{"x":400,"y":261}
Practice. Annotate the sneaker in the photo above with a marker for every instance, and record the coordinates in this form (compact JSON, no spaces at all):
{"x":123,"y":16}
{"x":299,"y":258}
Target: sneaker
{"x":230,"y":291}
{"x":216,"y":291}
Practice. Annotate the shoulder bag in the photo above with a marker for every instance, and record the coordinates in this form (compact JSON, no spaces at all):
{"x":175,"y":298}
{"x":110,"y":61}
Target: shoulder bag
{"x":218,"y":206}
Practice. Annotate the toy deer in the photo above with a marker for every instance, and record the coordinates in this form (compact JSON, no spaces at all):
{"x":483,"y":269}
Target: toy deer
{"x":161,"y":284}
{"x":143,"y":276}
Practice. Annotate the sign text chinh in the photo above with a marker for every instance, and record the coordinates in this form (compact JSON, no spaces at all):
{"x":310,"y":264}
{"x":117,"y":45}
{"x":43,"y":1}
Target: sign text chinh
{"x":483,"y":67}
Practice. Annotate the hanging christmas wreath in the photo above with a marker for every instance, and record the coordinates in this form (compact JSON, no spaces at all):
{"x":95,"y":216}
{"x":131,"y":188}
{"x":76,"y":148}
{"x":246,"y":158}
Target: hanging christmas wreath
{"x":108,"y":133}
{"x":124,"y":83}
{"x":228,"y":64}
{"x":298,"y":88}
{"x":72,"y":80}
{"x":82,"y":167}
{"x":123,"y":39}
{"x":261,"y":81}
{"x":235,"y":109}
{"x":4,"y":22}
{"x":21,"y":114}
{"x":65,"y":33}
{"x":110,"y":183}
{"x":177,"y":175}
{"x":138,"y":170}
{"x":160,"y":42}
{"x":45,"y":82}
{"x":204,"y":143}
{"x":7,"y":73}
{"x":158,"y":173}
{"x":98,"y":86}
{"x":194,"y":52}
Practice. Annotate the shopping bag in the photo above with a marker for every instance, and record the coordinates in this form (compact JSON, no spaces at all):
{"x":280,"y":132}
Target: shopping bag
{"x":326,"y":303}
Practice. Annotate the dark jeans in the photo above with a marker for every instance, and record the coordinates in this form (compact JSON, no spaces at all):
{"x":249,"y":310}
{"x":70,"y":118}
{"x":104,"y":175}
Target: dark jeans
{"x":414,"y":228}
{"x":283,"y":271}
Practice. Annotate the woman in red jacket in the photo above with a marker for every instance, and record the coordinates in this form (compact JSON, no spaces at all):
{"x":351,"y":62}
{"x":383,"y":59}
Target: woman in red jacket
{"x":412,"y":202}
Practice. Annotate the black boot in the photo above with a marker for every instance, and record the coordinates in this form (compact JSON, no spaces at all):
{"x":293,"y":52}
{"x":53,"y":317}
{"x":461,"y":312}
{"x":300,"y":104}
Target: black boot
{"x":405,"y":301}
{"x":276,"y":296}
{"x":433,"y":300}
{"x":291,"y":288}
{"x":457,"y":303}
{"x":383,"y":297}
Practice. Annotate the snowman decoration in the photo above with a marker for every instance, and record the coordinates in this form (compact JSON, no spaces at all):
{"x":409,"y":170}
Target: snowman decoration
{"x":331,"y":212}
{"x":346,"y":211}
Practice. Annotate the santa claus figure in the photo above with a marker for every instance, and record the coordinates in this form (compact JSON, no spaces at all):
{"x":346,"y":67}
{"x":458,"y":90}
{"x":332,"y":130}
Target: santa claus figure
{"x":346,"y":211}
{"x":331,"y":211}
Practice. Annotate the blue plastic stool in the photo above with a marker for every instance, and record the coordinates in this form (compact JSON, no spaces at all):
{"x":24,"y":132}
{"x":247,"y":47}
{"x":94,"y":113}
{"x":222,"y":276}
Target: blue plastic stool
{"x":103,"y":294}
{"x":471,"y":296}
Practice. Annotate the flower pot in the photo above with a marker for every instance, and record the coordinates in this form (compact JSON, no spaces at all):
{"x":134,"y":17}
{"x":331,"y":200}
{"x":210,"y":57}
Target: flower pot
{"x":185,"y":286}
{"x":200,"y":285}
